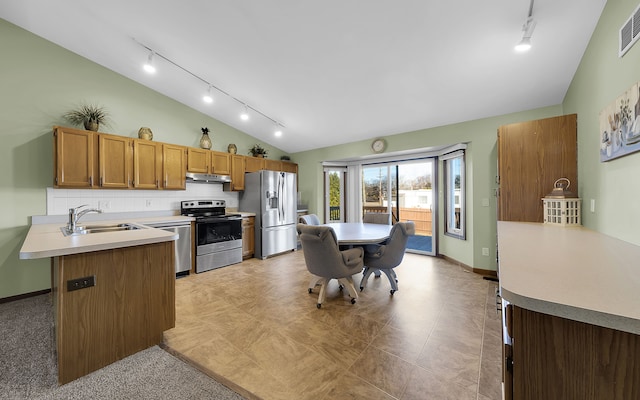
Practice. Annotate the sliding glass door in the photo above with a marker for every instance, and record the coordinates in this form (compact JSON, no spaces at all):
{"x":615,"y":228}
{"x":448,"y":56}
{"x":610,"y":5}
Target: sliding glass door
{"x":406,"y":190}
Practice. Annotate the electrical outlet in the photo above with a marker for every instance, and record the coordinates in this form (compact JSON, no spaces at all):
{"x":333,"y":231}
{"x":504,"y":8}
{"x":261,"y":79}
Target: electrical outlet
{"x":81,"y":283}
{"x":485,"y":202}
{"x":593,"y":205}
{"x":485,"y":251}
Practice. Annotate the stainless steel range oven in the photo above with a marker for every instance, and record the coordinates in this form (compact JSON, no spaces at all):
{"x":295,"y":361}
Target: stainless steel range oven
{"x":218,"y":234}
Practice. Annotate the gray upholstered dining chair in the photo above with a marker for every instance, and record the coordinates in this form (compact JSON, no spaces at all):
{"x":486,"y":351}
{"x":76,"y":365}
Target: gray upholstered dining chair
{"x":385,"y":257}
{"x":325,"y":261}
{"x":376,"y":218}
{"x":310,"y":219}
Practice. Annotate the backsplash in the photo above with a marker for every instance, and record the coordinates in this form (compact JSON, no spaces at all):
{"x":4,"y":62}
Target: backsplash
{"x":110,"y":201}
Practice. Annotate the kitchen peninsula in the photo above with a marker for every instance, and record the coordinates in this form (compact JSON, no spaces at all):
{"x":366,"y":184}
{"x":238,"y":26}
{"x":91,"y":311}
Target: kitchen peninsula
{"x":113,"y":292}
{"x":571,"y":324}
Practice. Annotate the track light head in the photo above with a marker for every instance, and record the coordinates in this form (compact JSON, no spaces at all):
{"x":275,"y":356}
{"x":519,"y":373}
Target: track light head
{"x":277,"y":132}
{"x":207,"y":98}
{"x":524,"y":45}
{"x":149,"y":66}
{"x":244,"y":115}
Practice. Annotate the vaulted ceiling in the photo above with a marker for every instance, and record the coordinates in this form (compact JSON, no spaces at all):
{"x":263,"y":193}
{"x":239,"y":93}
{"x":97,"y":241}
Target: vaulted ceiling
{"x":332,"y":71}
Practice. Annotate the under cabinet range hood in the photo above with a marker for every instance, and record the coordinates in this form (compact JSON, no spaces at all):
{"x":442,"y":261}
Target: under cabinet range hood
{"x":207,"y":178}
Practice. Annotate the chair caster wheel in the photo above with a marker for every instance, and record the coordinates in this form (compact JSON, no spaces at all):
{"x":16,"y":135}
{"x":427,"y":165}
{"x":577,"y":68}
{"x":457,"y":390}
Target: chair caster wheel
{"x":361,"y":288}
{"x":340,"y":287}
{"x":392,"y":291}
{"x":319,"y":305}
{"x":310,"y":290}
{"x":353,"y":301}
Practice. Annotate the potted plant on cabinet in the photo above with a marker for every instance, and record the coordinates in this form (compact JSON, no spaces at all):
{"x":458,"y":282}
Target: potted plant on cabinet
{"x":88,"y":115}
{"x":258,"y":151}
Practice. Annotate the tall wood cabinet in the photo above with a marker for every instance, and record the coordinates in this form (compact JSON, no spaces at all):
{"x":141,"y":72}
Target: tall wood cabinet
{"x":531,"y":157}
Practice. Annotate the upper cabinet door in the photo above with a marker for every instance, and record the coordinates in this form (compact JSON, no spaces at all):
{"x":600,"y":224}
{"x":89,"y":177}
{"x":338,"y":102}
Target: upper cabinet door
{"x":198,"y":160}
{"x":74,"y":155}
{"x":289,"y":167}
{"x":531,"y":157}
{"x":237,"y":173}
{"x":272,"y":165}
{"x":174,"y":166}
{"x":253,"y":164}
{"x":221,"y":163}
{"x":114,"y":155}
{"x":147,"y":164}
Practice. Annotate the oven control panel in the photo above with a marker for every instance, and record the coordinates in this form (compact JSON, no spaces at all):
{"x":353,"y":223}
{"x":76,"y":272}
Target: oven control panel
{"x":203,"y":204}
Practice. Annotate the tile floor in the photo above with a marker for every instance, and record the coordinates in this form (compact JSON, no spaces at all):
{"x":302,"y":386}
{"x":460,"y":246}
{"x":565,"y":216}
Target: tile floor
{"x":254,"y":327}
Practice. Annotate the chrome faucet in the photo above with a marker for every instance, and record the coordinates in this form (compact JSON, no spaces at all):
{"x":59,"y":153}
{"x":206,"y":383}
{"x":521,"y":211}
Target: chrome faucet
{"x":75,"y":215}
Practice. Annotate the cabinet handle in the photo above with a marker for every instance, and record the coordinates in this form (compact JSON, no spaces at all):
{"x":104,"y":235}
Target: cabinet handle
{"x":101,"y":182}
{"x":157,"y":183}
{"x":91,"y":181}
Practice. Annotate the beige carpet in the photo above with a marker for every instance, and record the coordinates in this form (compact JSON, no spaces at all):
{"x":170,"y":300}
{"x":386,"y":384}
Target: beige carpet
{"x":28,"y":366}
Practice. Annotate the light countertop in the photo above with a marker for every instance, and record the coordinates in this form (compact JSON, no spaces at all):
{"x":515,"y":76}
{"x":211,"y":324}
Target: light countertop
{"x":46,"y":240}
{"x":570,"y":272}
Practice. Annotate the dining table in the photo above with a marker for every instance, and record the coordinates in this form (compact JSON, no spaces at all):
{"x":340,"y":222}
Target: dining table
{"x":359,"y":233}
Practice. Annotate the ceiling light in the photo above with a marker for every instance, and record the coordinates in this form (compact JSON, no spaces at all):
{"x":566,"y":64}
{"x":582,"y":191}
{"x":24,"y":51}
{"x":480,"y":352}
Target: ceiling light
{"x":244,"y":115}
{"x":207,"y":97}
{"x":524,"y":45}
{"x":527,"y":30}
{"x":278,"y":131}
{"x":148,"y":66}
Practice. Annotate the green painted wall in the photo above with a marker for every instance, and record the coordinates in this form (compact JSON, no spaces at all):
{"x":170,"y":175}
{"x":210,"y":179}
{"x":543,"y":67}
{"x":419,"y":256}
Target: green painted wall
{"x":600,"y":79}
{"x":39,"y":82}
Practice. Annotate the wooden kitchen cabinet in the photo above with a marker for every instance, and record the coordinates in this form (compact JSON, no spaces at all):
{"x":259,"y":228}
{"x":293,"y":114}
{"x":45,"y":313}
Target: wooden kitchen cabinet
{"x":237,"y":173}
{"x":254,"y":164}
{"x":130,"y":305}
{"x":114,"y":161}
{"x":531,"y":157}
{"x":147,"y":164}
{"x":198,"y":160}
{"x":73,"y":158}
{"x":221,"y":163}
{"x":272,"y":165}
{"x":248,"y":237}
{"x":208,"y":162}
{"x":289,"y":167}
{"x":559,"y":358}
{"x":174,"y":166}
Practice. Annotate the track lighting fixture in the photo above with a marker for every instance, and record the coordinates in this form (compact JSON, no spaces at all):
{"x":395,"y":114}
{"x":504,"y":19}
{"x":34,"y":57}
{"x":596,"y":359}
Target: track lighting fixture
{"x":148,"y":66}
{"x":207,"y":98}
{"x":244,"y":115}
{"x":527,"y":29}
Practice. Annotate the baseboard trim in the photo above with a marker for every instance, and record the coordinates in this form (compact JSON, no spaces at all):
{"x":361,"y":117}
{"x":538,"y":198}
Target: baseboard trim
{"x":483,"y":272}
{"x":24,"y":296}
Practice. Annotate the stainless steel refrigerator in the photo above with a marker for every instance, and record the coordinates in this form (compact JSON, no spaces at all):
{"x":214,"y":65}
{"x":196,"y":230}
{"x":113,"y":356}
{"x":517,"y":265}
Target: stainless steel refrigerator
{"x":272,"y":196}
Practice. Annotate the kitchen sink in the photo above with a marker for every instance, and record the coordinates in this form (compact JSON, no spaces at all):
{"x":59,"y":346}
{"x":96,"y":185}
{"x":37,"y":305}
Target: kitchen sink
{"x":88,"y":229}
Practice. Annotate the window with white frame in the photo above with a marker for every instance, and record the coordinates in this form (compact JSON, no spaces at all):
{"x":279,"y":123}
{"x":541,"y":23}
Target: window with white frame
{"x":454,"y":194}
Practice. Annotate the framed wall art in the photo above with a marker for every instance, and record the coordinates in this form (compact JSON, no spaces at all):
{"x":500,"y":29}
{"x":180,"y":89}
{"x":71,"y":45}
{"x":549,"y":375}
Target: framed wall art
{"x":620,"y":125}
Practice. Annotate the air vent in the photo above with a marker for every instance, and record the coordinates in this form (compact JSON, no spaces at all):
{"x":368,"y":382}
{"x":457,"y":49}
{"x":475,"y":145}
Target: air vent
{"x":630,"y":32}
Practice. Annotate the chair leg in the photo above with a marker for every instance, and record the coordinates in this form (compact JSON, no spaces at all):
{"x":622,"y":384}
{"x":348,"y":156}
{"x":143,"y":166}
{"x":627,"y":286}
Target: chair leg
{"x":365,"y":276}
{"x":315,"y":281}
{"x":392,"y":279}
{"x":351,"y":287}
{"x":323,"y":290}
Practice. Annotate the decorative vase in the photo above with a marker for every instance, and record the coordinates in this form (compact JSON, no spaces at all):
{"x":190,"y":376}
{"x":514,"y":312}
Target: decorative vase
{"x":145,"y":133}
{"x":91,"y":125}
{"x":205,"y":141}
{"x":232,"y":148}
{"x":259,"y":155}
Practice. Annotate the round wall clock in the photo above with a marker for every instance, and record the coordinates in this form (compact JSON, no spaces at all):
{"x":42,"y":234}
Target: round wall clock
{"x":378,"y":145}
